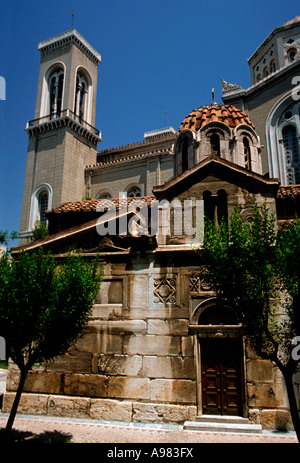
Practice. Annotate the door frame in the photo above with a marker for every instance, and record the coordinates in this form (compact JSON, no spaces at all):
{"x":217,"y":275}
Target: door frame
{"x":201,"y":332}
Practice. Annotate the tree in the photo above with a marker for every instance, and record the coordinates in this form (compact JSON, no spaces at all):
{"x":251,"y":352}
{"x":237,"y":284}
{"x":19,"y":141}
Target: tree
{"x":43,"y":308}
{"x":255,"y":273}
{"x":39,"y":231}
{"x":5,"y":236}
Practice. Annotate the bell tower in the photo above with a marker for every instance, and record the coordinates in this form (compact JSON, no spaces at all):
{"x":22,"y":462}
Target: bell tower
{"x":62,"y":136}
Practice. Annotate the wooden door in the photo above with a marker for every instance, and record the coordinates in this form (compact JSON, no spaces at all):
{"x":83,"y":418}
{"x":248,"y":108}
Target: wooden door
{"x":221,"y":376}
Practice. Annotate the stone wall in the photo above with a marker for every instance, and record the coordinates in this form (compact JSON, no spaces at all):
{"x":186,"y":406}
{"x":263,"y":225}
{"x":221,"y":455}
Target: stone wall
{"x":134,"y":362}
{"x":136,"y":359}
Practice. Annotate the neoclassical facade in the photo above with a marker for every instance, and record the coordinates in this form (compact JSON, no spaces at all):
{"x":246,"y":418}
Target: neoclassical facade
{"x":157,"y":347}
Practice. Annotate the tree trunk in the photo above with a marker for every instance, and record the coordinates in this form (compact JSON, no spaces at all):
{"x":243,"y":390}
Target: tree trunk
{"x":288,"y":377}
{"x":14,"y":408}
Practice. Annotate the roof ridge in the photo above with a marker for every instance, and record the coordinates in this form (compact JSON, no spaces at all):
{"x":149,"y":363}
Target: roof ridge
{"x":127,"y":158}
{"x":137,"y":143}
{"x":89,"y":205}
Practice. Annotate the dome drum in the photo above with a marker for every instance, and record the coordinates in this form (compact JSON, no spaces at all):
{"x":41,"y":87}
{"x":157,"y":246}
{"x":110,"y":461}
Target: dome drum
{"x":220,"y":130}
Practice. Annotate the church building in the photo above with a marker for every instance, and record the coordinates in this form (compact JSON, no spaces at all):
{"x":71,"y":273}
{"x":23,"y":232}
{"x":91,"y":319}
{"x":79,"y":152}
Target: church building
{"x":157,"y":348}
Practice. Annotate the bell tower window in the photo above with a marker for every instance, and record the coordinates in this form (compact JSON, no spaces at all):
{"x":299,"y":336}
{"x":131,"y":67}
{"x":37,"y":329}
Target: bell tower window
{"x":56,"y":82}
{"x":80,"y":102}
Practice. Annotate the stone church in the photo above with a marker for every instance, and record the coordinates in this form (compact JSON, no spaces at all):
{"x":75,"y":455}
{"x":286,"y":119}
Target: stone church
{"x":157,"y":349}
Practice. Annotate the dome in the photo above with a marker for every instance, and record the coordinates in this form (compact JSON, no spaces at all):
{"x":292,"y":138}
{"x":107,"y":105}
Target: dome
{"x":227,"y":114}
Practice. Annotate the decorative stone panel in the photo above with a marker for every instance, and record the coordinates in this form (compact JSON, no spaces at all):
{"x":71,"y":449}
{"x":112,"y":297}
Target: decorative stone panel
{"x":165,"y":290}
{"x":197,"y":285}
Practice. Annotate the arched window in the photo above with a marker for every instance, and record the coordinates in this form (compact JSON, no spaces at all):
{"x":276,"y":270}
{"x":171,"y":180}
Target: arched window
{"x":56,"y":83}
{"x":40,"y":203}
{"x":185,"y":147}
{"x":247,"y":155}
{"x":291,"y":154}
{"x":43,"y":206}
{"x":215,"y":144}
{"x":266,"y":71}
{"x":104,"y":195}
{"x":292,"y":52}
{"x":209,"y":207}
{"x":80,"y":102}
{"x":273,"y":66}
{"x":134,"y":192}
{"x":215,"y":206}
{"x":184,"y":152}
{"x":222,"y":206}
{"x":258,"y":78}
{"x":283,"y":139}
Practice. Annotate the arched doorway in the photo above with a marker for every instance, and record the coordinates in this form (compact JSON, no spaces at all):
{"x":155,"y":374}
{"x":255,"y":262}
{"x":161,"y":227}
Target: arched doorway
{"x":220,"y":371}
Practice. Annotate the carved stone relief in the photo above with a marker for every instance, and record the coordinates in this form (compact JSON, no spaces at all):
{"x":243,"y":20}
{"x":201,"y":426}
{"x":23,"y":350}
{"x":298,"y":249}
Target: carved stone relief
{"x":195,"y":284}
{"x":165,"y":290}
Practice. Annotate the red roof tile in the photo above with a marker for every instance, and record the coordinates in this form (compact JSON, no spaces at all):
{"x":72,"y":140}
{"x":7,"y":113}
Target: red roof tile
{"x":209,"y":113}
{"x":289,"y":191}
{"x":91,"y":205}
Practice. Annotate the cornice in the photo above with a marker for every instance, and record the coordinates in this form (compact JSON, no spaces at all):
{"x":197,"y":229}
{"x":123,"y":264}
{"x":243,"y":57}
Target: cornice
{"x":71,"y":36}
{"x":62,"y":122}
{"x":288,"y":70}
{"x":275,"y":31}
{"x":128,"y":159}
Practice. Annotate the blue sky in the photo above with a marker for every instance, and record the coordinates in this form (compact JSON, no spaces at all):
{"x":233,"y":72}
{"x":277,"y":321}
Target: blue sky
{"x":157,"y":56}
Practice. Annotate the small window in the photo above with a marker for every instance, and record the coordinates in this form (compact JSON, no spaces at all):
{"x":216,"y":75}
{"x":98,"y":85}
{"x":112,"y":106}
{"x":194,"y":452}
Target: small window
{"x":266,"y":71}
{"x":247,"y":154}
{"x":288,"y":115}
{"x":215,"y":144}
{"x":184,"y":153}
{"x":258,"y":78}
{"x":215,"y":206}
{"x":134,"y":192}
{"x":273,"y":66}
{"x":185,"y":148}
{"x":104,"y":195}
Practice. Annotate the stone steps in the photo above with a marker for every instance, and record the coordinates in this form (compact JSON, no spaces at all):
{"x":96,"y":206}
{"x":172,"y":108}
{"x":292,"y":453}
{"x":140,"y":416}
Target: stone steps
{"x":222,"y":423}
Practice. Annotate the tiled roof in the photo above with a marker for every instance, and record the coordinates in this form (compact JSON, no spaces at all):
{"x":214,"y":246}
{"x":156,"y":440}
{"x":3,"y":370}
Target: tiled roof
{"x":138,"y":143}
{"x":227,"y":114}
{"x":91,"y":205}
{"x":289,"y":191}
{"x":291,"y":21}
{"x":131,"y":157}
